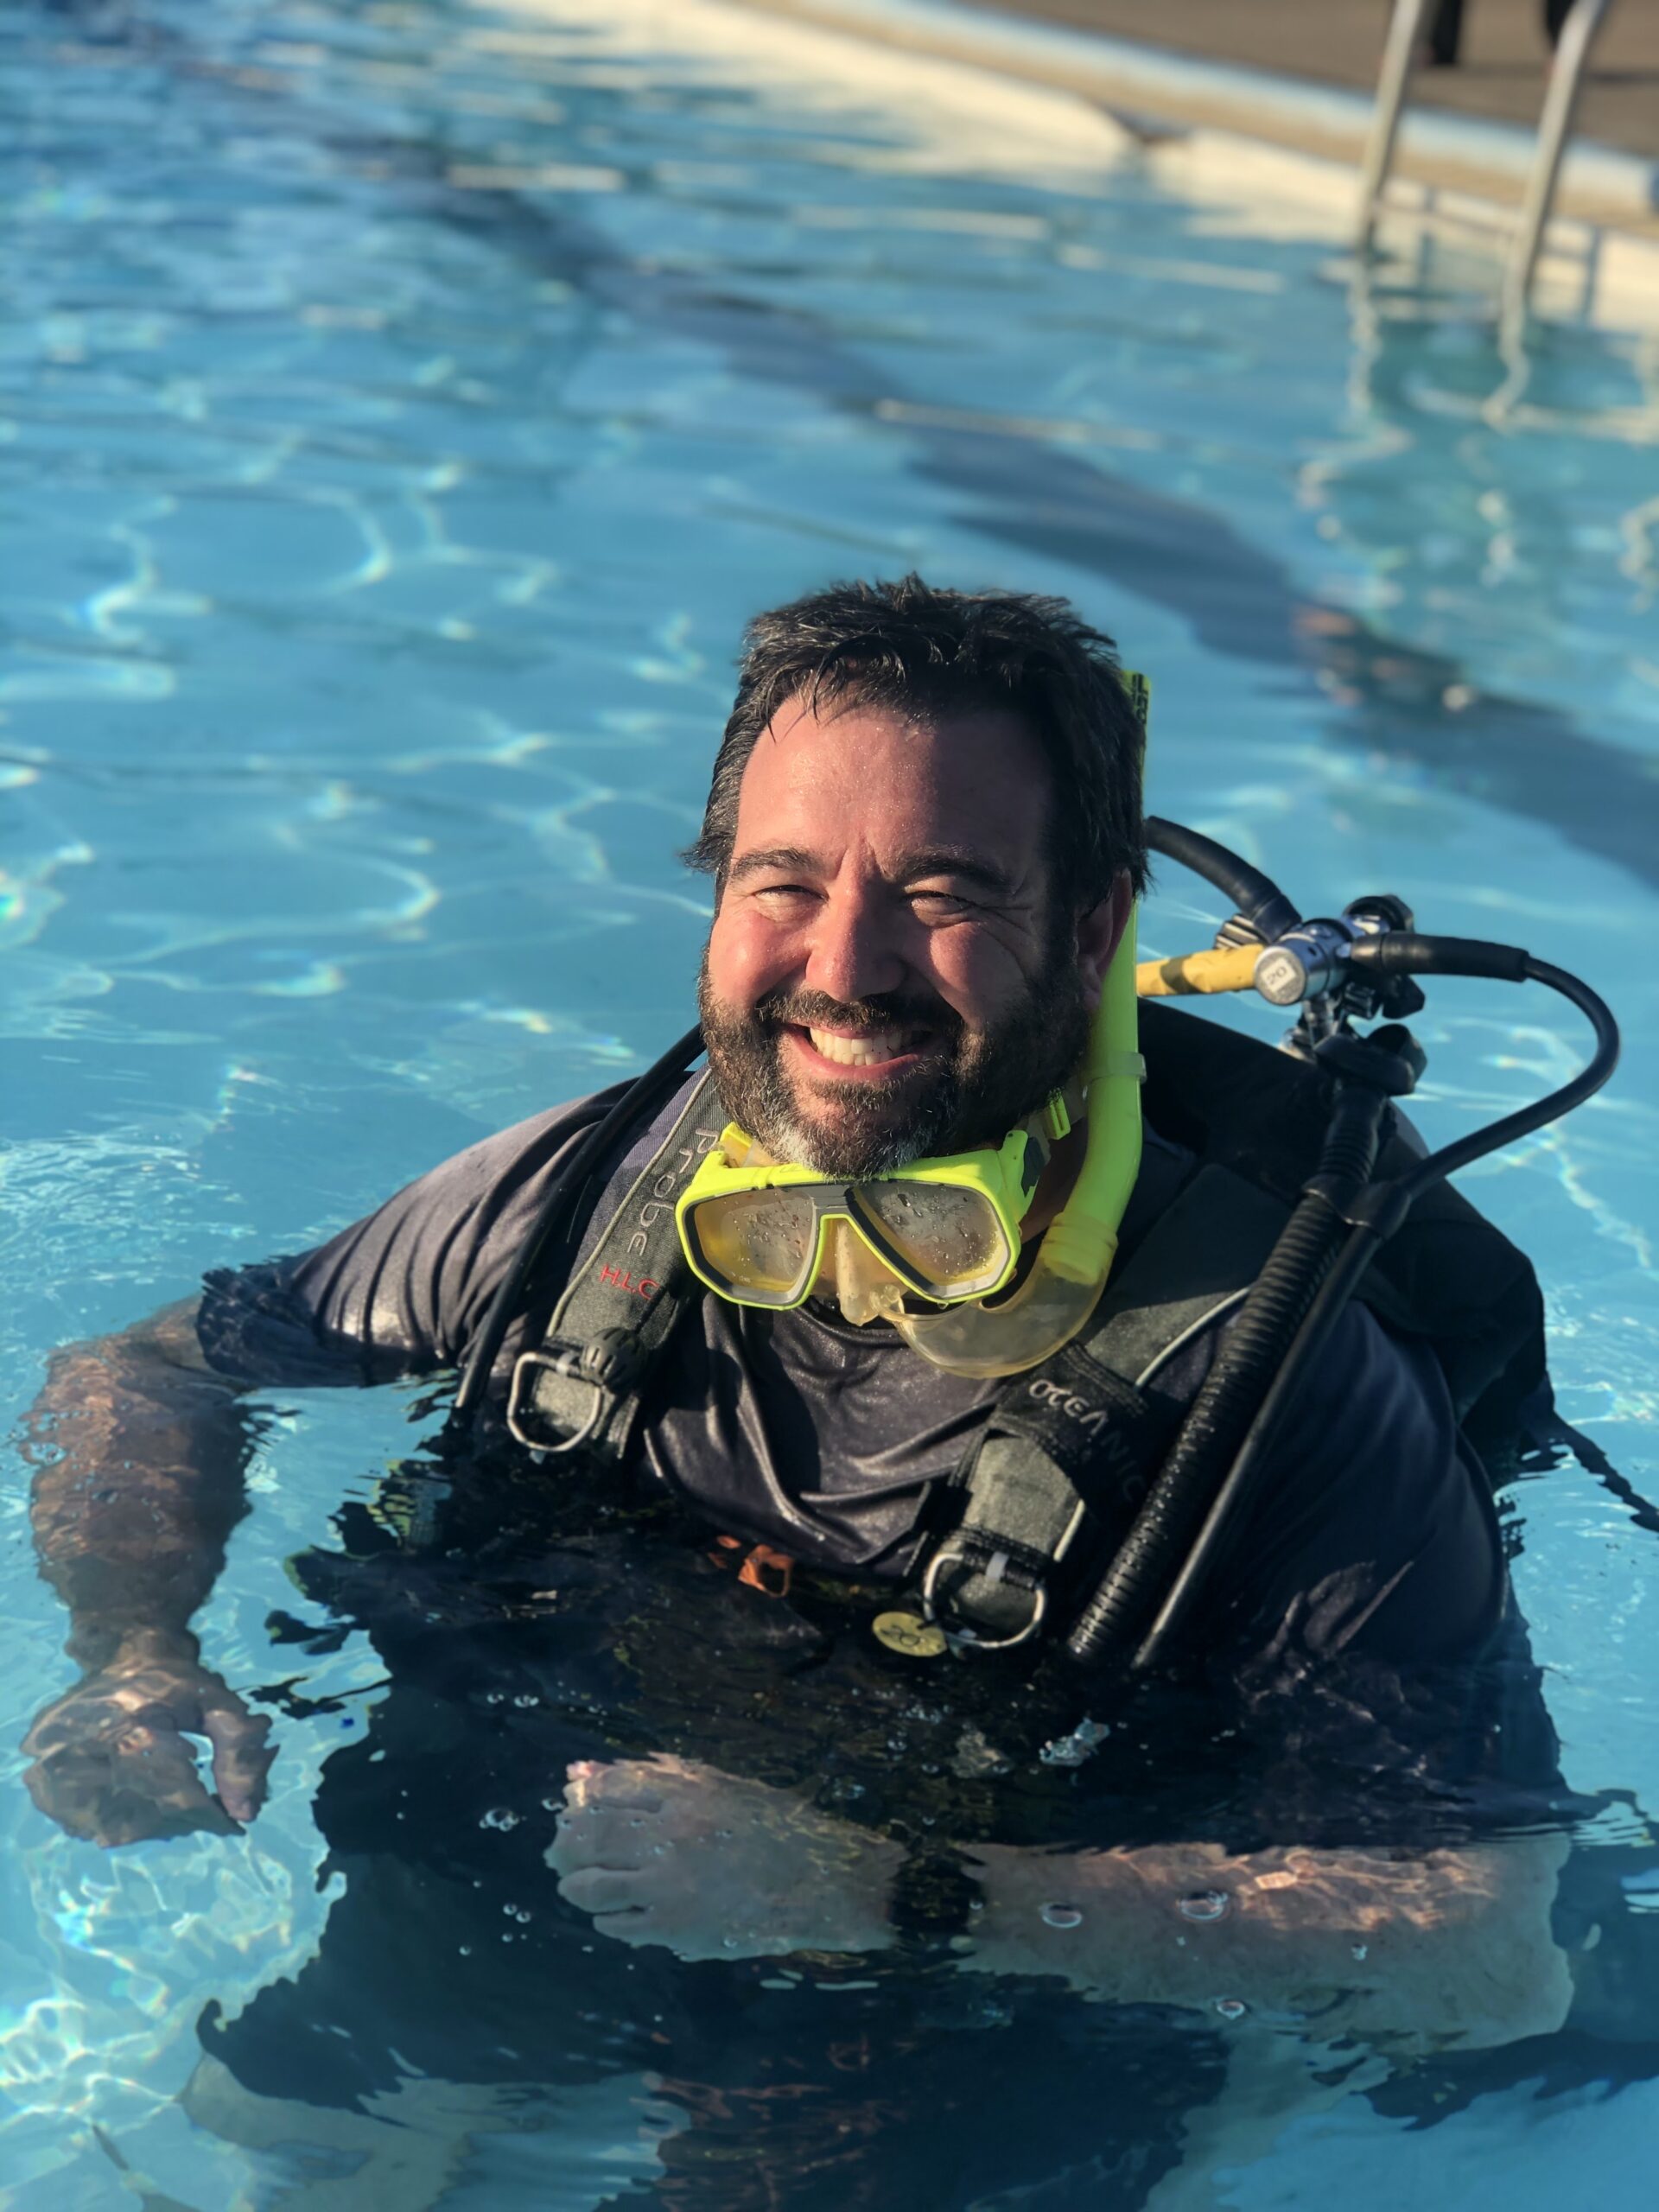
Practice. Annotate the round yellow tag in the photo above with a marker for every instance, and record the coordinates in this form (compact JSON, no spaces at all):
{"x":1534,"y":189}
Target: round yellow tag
{"x":909,"y":1634}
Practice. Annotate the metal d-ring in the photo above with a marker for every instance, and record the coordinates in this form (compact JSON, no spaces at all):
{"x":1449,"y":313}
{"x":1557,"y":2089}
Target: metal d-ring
{"x":929,"y":1580}
{"x":515,"y":1399}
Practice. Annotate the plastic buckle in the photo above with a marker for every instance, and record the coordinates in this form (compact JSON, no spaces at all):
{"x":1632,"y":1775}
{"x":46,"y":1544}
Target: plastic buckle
{"x":997,"y":1572}
{"x":613,"y":1359}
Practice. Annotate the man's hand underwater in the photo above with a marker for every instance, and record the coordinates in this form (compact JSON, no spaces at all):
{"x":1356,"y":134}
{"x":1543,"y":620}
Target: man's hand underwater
{"x":111,"y":1765}
{"x":664,"y":1851}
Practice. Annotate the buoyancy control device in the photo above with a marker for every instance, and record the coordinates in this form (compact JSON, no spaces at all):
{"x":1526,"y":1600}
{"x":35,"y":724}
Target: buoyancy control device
{"x":1305,"y":1194}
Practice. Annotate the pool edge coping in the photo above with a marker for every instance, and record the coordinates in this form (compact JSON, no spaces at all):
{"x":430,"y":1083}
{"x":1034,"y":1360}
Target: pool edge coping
{"x":1605,"y":185}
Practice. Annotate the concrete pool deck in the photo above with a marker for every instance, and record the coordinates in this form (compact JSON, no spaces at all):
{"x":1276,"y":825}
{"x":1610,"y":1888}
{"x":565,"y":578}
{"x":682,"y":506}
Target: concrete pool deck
{"x":1500,"y":76}
{"x":1469,"y":130}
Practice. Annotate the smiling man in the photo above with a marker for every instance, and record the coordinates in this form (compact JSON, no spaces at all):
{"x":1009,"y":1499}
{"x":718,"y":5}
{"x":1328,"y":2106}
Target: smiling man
{"x":924,"y":831}
{"x":907,"y":948}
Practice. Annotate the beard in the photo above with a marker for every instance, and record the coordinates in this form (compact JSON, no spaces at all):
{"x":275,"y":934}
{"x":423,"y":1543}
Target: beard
{"x":972,"y":1087}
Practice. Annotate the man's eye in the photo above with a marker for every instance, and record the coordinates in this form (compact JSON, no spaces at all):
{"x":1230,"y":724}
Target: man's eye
{"x":782,"y":895}
{"x":940,"y":905}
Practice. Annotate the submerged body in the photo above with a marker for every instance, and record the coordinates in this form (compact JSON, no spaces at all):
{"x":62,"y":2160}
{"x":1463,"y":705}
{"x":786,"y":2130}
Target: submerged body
{"x":682,"y":1799}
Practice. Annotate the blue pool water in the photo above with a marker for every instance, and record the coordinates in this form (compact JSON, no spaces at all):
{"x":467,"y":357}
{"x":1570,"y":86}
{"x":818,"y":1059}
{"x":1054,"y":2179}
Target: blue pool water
{"x":402,"y":407}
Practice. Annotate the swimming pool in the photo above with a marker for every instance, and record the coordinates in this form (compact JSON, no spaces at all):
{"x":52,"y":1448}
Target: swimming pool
{"x":403,"y":407}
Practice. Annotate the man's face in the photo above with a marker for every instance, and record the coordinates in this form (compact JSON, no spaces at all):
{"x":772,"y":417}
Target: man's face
{"x":886,"y":975}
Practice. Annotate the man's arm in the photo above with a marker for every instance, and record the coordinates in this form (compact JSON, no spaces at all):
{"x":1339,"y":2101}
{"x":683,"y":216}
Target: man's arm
{"x":139,"y":1445}
{"x":139,"y":1450}
{"x":1419,"y":1949}
{"x":1414,"y":1948}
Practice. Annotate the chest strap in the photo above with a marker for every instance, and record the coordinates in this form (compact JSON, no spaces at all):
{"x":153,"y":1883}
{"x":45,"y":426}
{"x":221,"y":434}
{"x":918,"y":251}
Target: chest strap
{"x":1071,"y":1448}
{"x":581,"y":1388}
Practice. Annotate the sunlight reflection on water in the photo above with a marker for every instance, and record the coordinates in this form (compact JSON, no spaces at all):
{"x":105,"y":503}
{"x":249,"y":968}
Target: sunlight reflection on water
{"x":377,"y":583}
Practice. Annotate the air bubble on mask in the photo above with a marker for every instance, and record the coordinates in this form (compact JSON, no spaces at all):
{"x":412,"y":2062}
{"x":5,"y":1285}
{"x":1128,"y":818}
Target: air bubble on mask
{"x":1061,"y":1916}
{"x":1361,"y":1949}
{"x":1231,"y":2008}
{"x":499,"y":1817}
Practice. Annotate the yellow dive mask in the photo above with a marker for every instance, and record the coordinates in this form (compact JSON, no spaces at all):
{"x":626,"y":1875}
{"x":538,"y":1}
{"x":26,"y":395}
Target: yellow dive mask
{"x":758,"y":1230}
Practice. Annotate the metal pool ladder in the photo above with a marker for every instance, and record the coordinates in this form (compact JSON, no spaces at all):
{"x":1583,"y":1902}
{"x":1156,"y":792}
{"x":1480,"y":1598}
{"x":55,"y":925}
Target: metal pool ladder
{"x":1571,"y":52}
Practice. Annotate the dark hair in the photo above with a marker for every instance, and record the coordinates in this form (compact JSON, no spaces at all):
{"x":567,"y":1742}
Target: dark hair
{"x":905,"y":646}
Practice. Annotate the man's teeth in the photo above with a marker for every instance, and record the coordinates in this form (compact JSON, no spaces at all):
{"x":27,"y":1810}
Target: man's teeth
{"x":866,"y":1051}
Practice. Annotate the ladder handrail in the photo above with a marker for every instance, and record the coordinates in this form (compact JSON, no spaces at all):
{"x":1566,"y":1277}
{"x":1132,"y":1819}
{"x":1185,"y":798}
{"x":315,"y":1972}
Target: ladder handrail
{"x":1393,"y":82}
{"x":1571,"y":52}
{"x":1578,"y":35}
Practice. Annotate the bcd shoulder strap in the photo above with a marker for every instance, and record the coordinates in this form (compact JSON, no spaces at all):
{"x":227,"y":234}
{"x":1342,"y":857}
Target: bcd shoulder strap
{"x":1067,"y":1453}
{"x":579,"y":1389}
{"x":1448,"y":1274}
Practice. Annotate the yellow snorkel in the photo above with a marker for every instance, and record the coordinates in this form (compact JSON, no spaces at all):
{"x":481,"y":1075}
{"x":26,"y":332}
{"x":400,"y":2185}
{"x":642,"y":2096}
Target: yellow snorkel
{"x":1077,"y":1249}
{"x":1075,"y":1254}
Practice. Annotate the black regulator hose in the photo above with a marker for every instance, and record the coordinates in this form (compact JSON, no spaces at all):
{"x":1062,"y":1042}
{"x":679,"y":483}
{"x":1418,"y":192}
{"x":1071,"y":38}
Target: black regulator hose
{"x":1406,"y":954}
{"x":1256,"y":896}
{"x":562,"y":1206}
{"x":1251,"y":1352}
{"x":1201,"y":1503}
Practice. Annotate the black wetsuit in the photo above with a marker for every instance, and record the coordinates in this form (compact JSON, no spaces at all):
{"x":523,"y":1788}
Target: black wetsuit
{"x":1370,"y":1685}
{"x":1376,"y":1534}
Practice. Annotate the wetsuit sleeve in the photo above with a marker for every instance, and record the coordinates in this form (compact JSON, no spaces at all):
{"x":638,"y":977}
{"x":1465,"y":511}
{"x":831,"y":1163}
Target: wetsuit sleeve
{"x":1374,"y":1534}
{"x":401,"y":1292}
{"x":1363,"y":1621}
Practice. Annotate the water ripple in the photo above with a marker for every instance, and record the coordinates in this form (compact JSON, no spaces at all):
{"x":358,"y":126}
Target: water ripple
{"x":401,"y":410}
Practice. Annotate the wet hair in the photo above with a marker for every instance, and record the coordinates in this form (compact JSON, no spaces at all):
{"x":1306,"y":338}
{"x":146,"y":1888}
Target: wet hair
{"x":928,"y":654}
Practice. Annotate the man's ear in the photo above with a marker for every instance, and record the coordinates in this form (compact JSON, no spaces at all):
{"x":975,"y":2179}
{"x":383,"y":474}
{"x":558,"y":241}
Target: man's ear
{"x":1099,"y":932}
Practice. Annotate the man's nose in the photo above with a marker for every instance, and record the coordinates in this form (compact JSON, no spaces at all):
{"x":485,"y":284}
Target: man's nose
{"x":855,"y":952}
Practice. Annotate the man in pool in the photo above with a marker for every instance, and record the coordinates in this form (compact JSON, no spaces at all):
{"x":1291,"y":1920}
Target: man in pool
{"x":924,"y":832}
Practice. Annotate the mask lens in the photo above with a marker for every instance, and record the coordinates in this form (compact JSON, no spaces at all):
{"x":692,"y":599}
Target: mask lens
{"x":760,"y":1241}
{"x":950,"y":1239}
